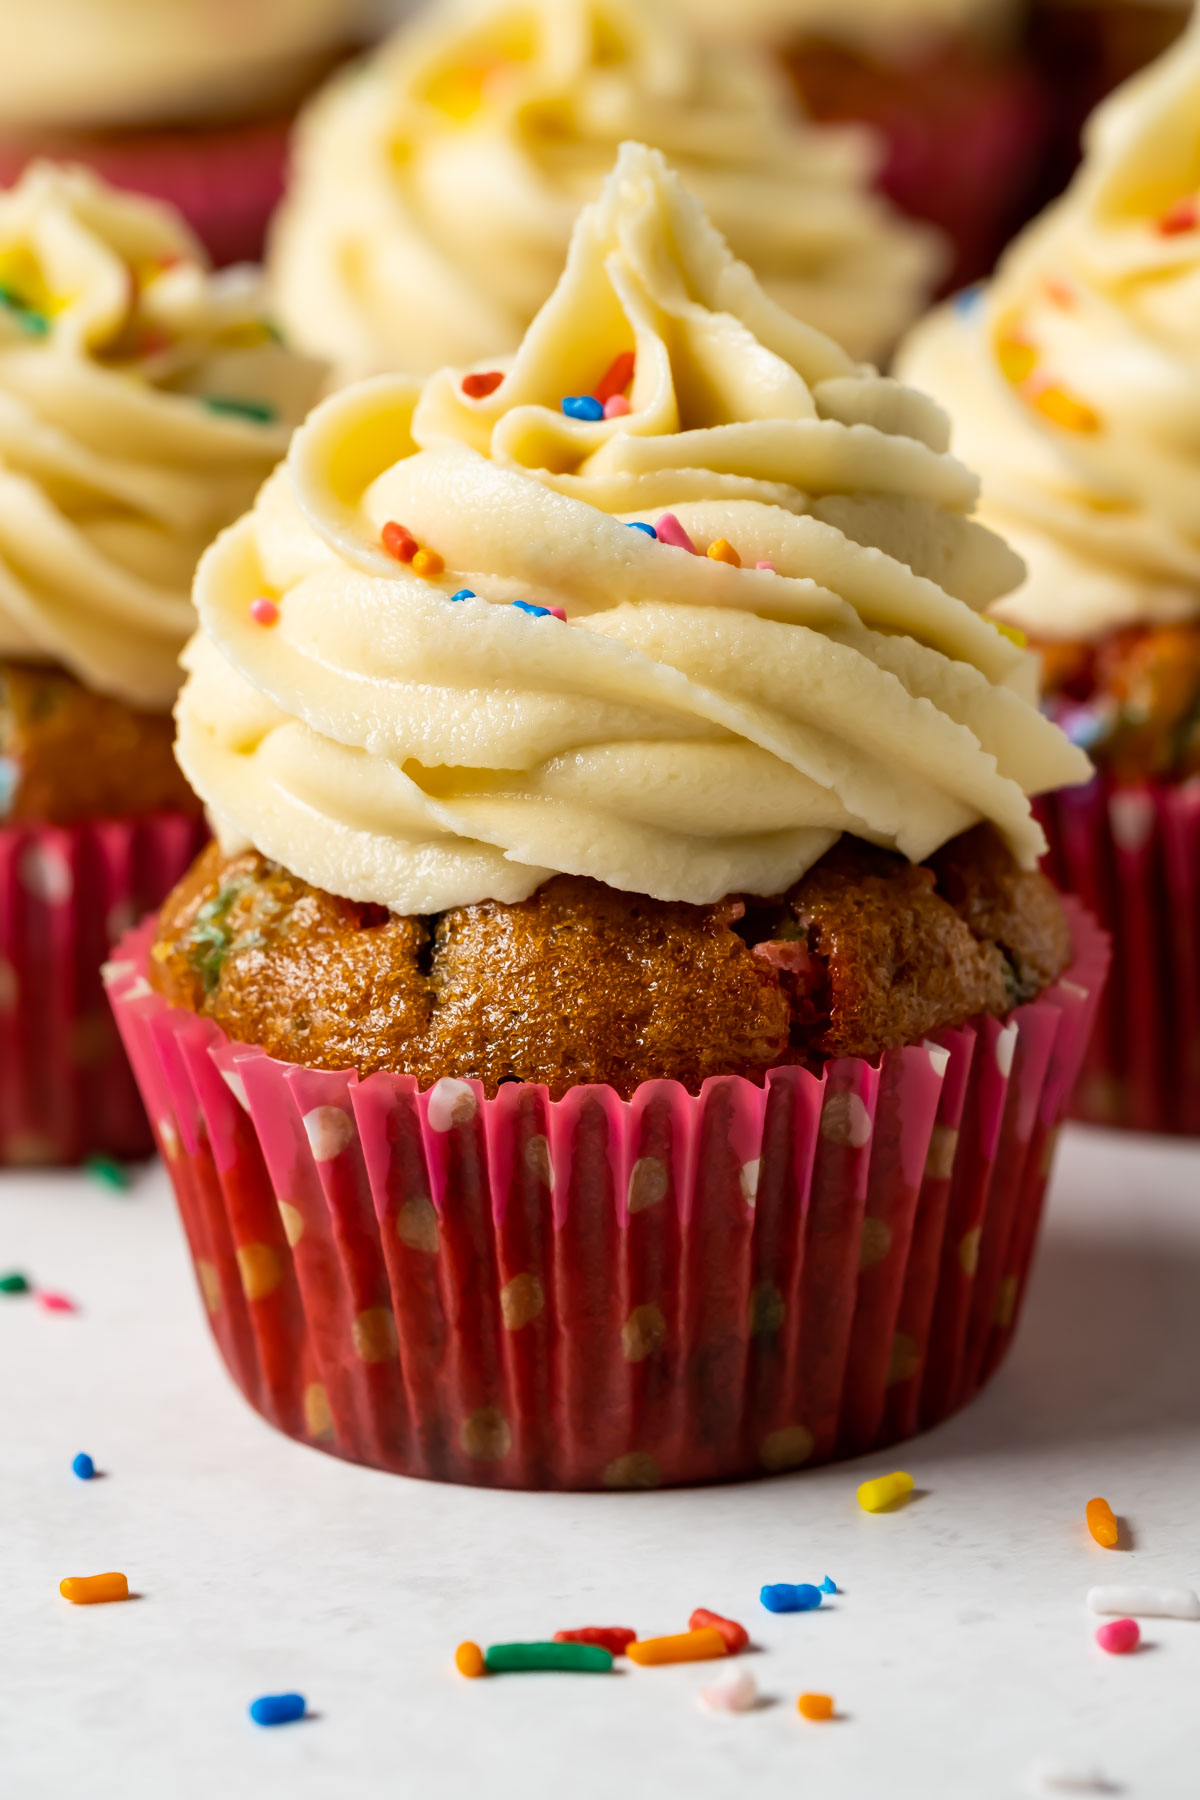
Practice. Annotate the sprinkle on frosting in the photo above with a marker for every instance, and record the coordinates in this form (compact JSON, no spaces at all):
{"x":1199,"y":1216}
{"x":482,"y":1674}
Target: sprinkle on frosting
{"x":434,"y":188}
{"x":697,"y":731}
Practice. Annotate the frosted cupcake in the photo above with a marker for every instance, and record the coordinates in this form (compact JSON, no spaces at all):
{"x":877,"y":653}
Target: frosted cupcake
{"x":185,"y":100}
{"x":435,"y":188}
{"x":618,"y":1033}
{"x":1075,"y":385}
{"x":947,"y":84}
{"x":142,"y":403}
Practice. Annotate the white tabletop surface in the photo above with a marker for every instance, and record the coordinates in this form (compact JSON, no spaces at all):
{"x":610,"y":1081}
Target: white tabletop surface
{"x":959,"y":1652}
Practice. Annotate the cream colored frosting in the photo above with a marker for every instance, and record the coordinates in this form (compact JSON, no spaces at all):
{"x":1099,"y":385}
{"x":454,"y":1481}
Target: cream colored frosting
{"x":116,"y":469}
{"x":880,"y":25}
{"x":436,"y":186}
{"x":1075,"y":381}
{"x":68,"y":64}
{"x":692,"y":728}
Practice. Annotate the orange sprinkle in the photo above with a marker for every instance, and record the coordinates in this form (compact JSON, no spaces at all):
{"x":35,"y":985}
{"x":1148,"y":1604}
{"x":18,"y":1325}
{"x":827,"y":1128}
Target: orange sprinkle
{"x":428,"y":563}
{"x":1183,"y":216}
{"x":468,"y":1660}
{"x":93,"y":1590}
{"x":723,"y":551}
{"x":399,"y":541}
{"x":688,"y":1646}
{"x":618,"y":378}
{"x":478,"y":387}
{"x":1017,"y":358}
{"x":815,"y":1706}
{"x":1060,"y":292}
{"x":1102,"y":1523}
{"x":1061,"y":408}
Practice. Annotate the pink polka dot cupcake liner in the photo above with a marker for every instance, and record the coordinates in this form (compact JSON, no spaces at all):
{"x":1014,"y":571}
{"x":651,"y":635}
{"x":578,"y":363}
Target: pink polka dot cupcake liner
{"x":1132,"y":854}
{"x":66,"y":894}
{"x":599,"y":1293}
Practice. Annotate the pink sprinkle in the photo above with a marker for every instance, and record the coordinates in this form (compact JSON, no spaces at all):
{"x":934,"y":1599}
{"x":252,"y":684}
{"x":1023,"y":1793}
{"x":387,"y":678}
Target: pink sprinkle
{"x":617,"y":407}
{"x":670,"y":531}
{"x":765,"y":565}
{"x":1120,"y":1637}
{"x":54,"y":1302}
{"x":556,"y":612}
{"x":264,"y":611}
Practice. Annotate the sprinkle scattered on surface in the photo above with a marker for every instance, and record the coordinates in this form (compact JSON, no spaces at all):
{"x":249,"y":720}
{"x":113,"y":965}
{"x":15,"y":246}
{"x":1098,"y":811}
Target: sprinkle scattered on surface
{"x":428,"y":563}
{"x":1119,"y":1637}
{"x":829,"y":1586}
{"x":519,"y":1659}
{"x":736,"y":1636}
{"x":617,"y":408}
{"x":264,"y":611}
{"x":255,"y":412}
{"x":583,"y":406}
{"x":788,"y":1597}
{"x":14,"y":1283}
{"x":686,"y":1646}
{"x":1151,"y":1603}
{"x":1065,"y":410}
{"x":94,"y":1590}
{"x":616,"y":1639}
{"x":768,"y":566}
{"x":468,"y":1660}
{"x":1183,"y":216}
{"x":885,"y":1491}
{"x":1013,"y":633}
{"x":669,"y":531}
{"x":640,"y":525}
{"x":535,"y":612}
{"x":464,"y":594}
{"x":1017,"y":358}
{"x":278,"y":1709}
{"x":1060,"y":1778}
{"x":58,"y":1303}
{"x":399,"y":541}
{"x":817,"y":1707}
{"x":617,"y":377}
{"x":735,"y":1692}
{"x":478,"y":387}
{"x":83,"y":1466}
{"x":32,"y":322}
{"x":723,"y":551}
{"x":1102,"y":1523}
{"x":107,"y":1170}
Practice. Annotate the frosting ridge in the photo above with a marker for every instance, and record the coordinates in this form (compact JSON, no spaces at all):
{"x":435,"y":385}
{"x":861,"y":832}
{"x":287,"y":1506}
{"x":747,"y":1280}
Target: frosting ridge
{"x":693,"y":725}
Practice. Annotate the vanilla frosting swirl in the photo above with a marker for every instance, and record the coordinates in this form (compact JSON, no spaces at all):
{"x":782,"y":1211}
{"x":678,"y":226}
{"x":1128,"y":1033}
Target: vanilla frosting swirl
{"x":143,"y":401}
{"x":1074,"y":381}
{"x":692,"y":728}
{"x":79,"y":64}
{"x":435,"y":187}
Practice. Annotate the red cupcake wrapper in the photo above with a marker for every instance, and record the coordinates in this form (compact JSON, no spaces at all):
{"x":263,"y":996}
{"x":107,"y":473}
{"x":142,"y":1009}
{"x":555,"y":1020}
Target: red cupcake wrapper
{"x":66,"y":894}
{"x":1132,"y":854}
{"x":226,"y":180}
{"x":597,"y":1293}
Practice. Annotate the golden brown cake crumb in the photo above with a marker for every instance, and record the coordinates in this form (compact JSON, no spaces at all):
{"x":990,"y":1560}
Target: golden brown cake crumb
{"x":68,"y":754}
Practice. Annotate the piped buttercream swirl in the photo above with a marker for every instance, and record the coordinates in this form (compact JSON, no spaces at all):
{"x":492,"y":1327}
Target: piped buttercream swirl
{"x":692,"y":727}
{"x":435,"y":187}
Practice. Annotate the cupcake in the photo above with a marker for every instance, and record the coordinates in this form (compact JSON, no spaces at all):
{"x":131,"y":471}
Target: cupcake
{"x":435,"y":188}
{"x":947,"y":84}
{"x":1073,"y":380}
{"x":188,"y":101}
{"x":618,"y":1033}
{"x":142,"y":403}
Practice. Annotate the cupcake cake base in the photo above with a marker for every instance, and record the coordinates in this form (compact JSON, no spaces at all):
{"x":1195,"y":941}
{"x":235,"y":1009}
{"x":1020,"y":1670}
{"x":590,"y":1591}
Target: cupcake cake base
{"x":591,"y":1292}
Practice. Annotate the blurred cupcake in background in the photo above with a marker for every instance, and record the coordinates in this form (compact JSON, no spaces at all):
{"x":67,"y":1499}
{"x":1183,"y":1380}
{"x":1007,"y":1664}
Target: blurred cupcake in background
{"x":619,"y":1032}
{"x":435,"y":187}
{"x":143,"y":401}
{"x":1074,"y":381}
{"x":188,"y":101}
{"x":945,"y":82}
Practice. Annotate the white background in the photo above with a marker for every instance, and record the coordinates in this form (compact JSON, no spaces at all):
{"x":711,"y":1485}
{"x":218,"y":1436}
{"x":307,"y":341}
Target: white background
{"x":959,"y":1653}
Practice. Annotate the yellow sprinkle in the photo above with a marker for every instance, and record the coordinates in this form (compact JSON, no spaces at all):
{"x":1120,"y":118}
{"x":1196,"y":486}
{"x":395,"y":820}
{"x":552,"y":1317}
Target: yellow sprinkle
{"x":723,"y":551}
{"x":1012,"y":632}
{"x":459,"y":92}
{"x":468,"y":1660}
{"x":877,"y":1496}
{"x":1062,"y":408}
{"x":428,"y":563}
{"x":1017,"y":359}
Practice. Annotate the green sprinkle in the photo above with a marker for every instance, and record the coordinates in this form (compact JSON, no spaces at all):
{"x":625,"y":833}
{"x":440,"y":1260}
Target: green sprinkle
{"x":581,"y":1659}
{"x":34,"y":323}
{"x":109,"y":1173}
{"x":13,"y":1284}
{"x":257,"y":411}
{"x":207,"y":943}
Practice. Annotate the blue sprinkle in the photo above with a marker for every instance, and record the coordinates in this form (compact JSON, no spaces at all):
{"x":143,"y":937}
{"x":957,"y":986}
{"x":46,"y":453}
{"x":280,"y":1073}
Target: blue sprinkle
{"x":829,"y":1586}
{"x":535,"y":612}
{"x":582,"y":406}
{"x":278,"y":1709}
{"x":83,"y":1466}
{"x":637,"y":525}
{"x":464,"y":594}
{"x":783,"y":1597}
{"x":969,"y":300}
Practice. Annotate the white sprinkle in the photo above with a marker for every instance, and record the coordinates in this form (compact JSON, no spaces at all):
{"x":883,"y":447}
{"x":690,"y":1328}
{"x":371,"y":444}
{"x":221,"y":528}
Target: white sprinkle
{"x":736,"y":1692}
{"x":1046,"y":1777}
{"x":1151,"y":1603}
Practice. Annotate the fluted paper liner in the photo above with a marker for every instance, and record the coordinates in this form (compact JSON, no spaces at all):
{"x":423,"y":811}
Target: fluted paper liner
{"x":591,"y":1292}
{"x":1132,"y":855}
{"x":66,"y":894}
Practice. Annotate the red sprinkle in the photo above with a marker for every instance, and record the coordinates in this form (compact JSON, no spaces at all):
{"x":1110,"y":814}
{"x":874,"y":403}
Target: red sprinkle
{"x":1119,"y":1637}
{"x":670,"y":531}
{"x":617,"y":408}
{"x":399,"y":541}
{"x":1183,"y":216}
{"x":613,"y":1638}
{"x":556,"y":612}
{"x":264,"y":611}
{"x":478,"y":387}
{"x":618,"y":378}
{"x":54,"y":1302}
{"x":735,"y":1635}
